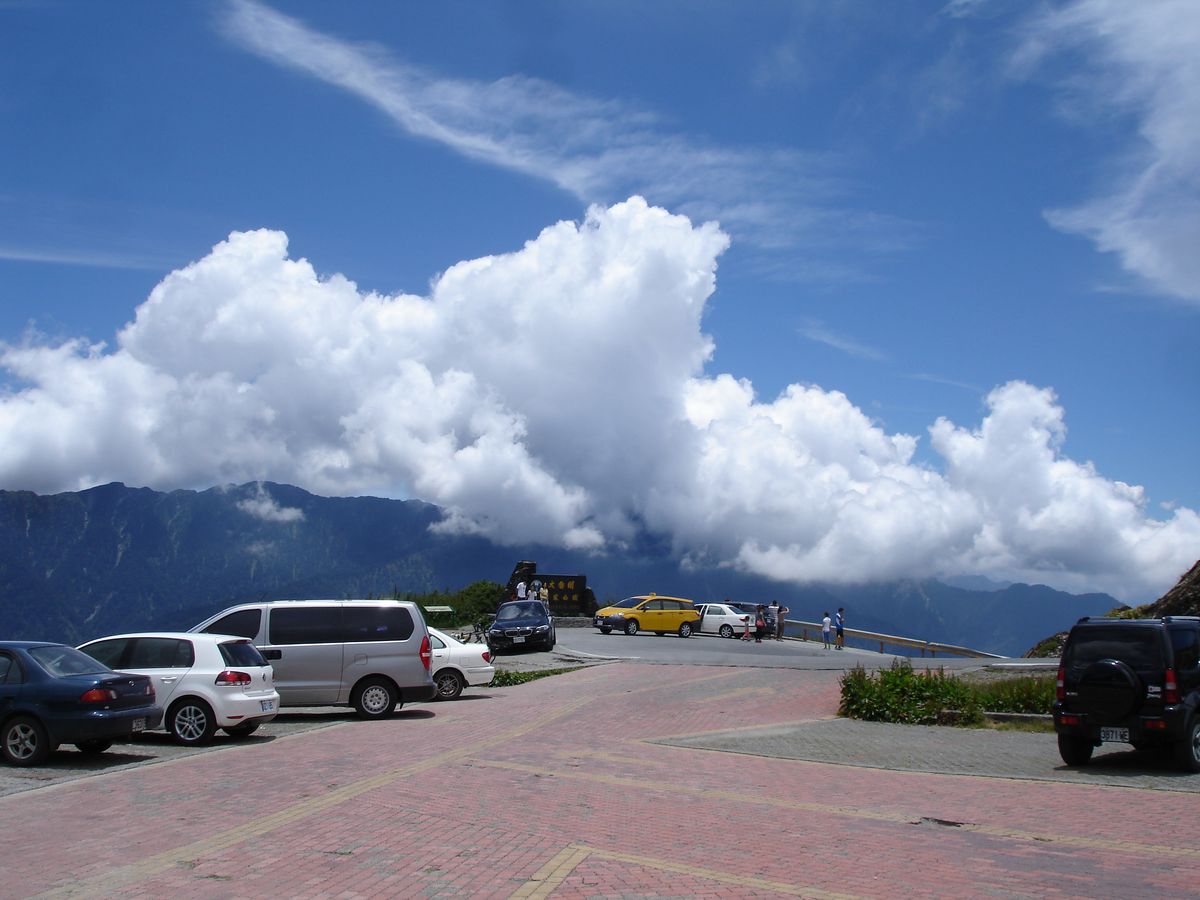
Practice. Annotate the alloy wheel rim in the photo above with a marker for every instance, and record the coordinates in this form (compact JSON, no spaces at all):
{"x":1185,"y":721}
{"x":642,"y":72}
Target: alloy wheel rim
{"x":375,"y":699}
{"x":22,"y":742}
{"x":190,"y":723}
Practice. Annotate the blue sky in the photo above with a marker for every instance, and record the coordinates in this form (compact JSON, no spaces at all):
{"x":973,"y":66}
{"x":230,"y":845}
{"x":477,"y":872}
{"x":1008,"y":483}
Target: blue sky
{"x":979,"y":214}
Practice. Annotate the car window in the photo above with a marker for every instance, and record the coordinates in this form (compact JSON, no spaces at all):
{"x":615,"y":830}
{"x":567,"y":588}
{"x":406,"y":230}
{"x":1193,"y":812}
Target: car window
{"x":653,"y":604}
{"x":60,"y":660}
{"x":377,"y":623}
{"x":8,"y":669}
{"x":629,"y":602}
{"x":1186,"y":642}
{"x":306,"y":625}
{"x":161,"y":653}
{"x":243,"y":623}
{"x":437,"y":642}
{"x":509,"y":611}
{"x":107,"y":652}
{"x":241,"y":653}
{"x":1140,"y":648}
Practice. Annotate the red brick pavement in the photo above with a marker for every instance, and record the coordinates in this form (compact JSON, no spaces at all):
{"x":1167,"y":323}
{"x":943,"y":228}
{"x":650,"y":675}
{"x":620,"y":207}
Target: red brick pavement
{"x":551,"y":789}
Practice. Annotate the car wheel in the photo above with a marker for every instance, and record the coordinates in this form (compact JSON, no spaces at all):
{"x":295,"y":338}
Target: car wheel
{"x":191,"y":722}
{"x":242,"y":731}
{"x":26,"y":742}
{"x":726,"y":631}
{"x":606,"y":630}
{"x":96,"y":746}
{"x":685,"y":630}
{"x":631,"y":627}
{"x":449,"y":684}
{"x":1075,"y":751}
{"x":1187,"y":753}
{"x":374,"y":698}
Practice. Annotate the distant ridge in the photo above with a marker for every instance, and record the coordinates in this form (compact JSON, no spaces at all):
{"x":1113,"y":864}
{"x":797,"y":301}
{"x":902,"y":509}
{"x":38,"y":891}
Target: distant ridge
{"x":112,"y":558}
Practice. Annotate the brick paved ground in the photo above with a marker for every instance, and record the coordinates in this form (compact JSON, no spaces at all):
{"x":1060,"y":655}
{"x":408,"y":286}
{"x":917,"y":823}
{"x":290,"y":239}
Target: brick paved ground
{"x":555,"y":788}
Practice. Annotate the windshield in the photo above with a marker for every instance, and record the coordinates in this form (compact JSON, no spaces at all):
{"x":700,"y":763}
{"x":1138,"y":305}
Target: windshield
{"x":63,"y":660}
{"x":630,"y":602}
{"x":520,"y":610}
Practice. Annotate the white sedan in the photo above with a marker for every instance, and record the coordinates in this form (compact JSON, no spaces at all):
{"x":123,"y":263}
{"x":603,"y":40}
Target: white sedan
{"x":717,"y":618}
{"x":203,"y":681}
{"x":456,"y":665}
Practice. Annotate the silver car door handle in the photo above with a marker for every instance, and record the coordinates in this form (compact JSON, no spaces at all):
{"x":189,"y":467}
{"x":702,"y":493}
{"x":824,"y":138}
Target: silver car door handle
{"x":169,"y":679}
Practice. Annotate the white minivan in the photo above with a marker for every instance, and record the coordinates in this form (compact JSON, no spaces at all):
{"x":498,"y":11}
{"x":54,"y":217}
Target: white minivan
{"x":373,"y":655}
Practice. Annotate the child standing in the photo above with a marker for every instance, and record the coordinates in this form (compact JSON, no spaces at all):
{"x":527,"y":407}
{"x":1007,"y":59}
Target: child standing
{"x":826,"y":624}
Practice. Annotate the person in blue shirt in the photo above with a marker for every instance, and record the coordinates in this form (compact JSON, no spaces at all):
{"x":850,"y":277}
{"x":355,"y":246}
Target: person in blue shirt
{"x":839,"y":624}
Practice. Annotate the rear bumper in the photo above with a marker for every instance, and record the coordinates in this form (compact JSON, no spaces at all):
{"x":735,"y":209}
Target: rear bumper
{"x":104,"y":724}
{"x":1167,"y":726}
{"x":418,"y":694}
{"x":239,"y":710}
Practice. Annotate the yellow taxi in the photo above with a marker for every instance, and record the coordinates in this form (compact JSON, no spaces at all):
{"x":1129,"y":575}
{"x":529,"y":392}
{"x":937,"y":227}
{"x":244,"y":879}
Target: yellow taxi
{"x":649,"y":612}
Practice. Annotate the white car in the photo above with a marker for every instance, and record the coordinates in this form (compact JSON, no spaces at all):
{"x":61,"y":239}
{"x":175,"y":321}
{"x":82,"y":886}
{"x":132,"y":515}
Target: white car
{"x":456,"y":665}
{"x":203,"y":681}
{"x":727,"y":621}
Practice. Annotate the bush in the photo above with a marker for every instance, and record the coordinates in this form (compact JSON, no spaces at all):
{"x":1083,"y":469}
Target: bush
{"x":901,"y":695}
{"x":508,"y":678}
{"x":922,"y":698}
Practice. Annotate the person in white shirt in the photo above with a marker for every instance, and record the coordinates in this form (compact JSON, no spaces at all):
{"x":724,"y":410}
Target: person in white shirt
{"x":826,"y":624}
{"x":520,"y":590}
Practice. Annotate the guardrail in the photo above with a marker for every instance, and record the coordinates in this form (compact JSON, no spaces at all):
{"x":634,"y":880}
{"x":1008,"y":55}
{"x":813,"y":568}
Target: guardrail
{"x":930,"y":647}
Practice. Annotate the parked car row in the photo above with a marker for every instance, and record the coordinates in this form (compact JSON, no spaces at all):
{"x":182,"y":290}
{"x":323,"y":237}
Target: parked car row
{"x":233,"y":672}
{"x":676,"y":615}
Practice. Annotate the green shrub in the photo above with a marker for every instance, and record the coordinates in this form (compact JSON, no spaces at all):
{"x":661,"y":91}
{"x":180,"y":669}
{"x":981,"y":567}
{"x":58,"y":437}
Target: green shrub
{"x":508,"y":678}
{"x":901,"y":695}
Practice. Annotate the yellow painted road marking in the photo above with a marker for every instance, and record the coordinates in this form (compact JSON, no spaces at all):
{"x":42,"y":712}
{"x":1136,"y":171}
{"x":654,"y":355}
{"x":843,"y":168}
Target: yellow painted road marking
{"x":1067,"y":840}
{"x":557,"y":870}
{"x":543,"y":882}
{"x":160,"y":862}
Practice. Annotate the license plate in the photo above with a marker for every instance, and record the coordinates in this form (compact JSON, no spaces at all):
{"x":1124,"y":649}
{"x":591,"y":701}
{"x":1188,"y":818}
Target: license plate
{"x":519,"y":639}
{"x":267,"y":705}
{"x":1119,"y":735}
{"x":139,"y":725}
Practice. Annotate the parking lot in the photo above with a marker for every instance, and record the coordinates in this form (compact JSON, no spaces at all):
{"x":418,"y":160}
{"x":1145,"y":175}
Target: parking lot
{"x":578,"y":785}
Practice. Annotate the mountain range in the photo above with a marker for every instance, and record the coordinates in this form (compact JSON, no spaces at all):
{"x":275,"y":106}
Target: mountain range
{"x":112,"y":558}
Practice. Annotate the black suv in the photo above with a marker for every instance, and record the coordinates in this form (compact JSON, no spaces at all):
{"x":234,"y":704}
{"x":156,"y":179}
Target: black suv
{"x":1133,"y":681}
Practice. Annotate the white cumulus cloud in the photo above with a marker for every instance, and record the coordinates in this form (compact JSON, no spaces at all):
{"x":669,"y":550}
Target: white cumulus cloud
{"x":1142,"y":61}
{"x":558,"y":394}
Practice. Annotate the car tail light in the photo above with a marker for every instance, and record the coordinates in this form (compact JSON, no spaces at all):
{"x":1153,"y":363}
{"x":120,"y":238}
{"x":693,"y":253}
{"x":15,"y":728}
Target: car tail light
{"x":98,"y":695}
{"x":1154,"y":724}
{"x":487,"y":657}
{"x":426,"y":653}
{"x":1059,"y":691}
{"x":230,"y":677}
{"x":1069,"y":720}
{"x":1170,"y":687}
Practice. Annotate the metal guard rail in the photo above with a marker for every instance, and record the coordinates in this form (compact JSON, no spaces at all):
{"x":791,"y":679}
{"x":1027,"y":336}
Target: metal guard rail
{"x":933,"y":647}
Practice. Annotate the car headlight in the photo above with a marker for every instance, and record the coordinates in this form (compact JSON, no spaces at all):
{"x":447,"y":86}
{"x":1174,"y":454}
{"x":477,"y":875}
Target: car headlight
{"x":495,"y":631}
{"x":542,"y":628}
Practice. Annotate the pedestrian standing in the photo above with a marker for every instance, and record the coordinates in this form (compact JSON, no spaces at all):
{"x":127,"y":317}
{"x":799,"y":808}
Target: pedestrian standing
{"x":779,"y":612}
{"x":826,"y":624}
{"x":839,"y":625}
{"x":760,"y":624}
{"x":520,"y":590}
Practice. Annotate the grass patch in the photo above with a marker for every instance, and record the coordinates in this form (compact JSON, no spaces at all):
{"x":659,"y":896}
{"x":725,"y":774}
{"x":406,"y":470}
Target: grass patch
{"x":902,"y":695}
{"x":508,"y":678}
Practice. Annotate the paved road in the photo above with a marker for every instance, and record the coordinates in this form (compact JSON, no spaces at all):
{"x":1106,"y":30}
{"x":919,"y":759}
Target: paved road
{"x":599,"y":783}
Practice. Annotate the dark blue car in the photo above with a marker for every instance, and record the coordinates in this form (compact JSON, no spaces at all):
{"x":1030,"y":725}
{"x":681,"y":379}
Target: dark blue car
{"x":52,"y":694}
{"x":520,"y":625}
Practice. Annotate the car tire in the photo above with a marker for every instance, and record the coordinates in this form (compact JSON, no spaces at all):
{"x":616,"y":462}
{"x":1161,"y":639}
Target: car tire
{"x":631,"y":627}
{"x":25,"y":742}
{"x":191,"y":722}
{"x":374,"y":698}
{"x":97,"y":746}
{"x":1075,"y":751}
{"x":237,"y":732}
{"x":606,"y":630}
{"x":1187,"y":751}
{"x":726,"y":631}
{"x":685,"y":630}
{"x":449,"y":684}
